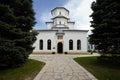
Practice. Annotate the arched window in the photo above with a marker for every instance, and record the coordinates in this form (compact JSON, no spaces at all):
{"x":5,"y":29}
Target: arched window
{"x":49,"y":44}
{"x":78,"y":45}
{"x":70,"y":44}
{"x":41,"y":45}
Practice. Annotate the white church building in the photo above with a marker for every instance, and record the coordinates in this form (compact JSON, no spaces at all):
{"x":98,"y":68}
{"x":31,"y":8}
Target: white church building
{"x":60,"y":35}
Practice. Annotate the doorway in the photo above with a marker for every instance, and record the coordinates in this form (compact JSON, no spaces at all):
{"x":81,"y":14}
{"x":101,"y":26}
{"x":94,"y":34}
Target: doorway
{"x":60,"y":47}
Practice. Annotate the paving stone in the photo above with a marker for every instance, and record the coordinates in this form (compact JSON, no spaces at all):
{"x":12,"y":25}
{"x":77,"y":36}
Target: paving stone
{"x":75,"y":78}
{"x":62,"y":67}
{"x":67,"y":78}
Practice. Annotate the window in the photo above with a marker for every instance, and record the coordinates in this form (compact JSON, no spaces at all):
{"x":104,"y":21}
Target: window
{"x":70,"y":44}
{"x":49,"y":44}
{"x":41,"y":45}
{"x":60,"y":22}
{"x":55,"y":23}
{"x":59,"y":13}
{"x":78,"y":45}
{"x":60,"y":37}
{"x":91,"y":46}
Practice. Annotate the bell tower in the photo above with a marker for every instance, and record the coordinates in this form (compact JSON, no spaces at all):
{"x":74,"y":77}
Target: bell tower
{"x":60,"y":19}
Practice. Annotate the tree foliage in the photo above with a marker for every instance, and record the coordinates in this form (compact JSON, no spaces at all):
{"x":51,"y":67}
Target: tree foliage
{"x":16,"y":21}
{"x":106,"y":24}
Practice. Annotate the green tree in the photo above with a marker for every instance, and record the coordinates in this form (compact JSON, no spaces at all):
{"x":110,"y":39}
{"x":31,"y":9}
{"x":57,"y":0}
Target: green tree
{"x":16,"y":35}
{"x":106,"y":24}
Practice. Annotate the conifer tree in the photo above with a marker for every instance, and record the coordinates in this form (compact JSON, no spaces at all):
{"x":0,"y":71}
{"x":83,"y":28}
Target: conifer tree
{"x":16,"y":35}
{"x":106,"y":24}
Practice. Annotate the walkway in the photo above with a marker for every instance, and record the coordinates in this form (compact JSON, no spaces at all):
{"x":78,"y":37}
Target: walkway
{"x":61,"y":67}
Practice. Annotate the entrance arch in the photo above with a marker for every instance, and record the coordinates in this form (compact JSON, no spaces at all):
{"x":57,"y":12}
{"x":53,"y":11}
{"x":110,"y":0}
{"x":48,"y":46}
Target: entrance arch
{"x":60,"y":47}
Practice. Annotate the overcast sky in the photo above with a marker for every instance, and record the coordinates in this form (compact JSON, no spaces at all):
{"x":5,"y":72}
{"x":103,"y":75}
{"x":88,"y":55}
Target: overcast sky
{"x":79,"y":12}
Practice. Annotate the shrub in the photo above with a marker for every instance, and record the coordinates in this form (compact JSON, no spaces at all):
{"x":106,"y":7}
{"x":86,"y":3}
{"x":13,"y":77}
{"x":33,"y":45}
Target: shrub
{"x":12,"y":56}
{"x":16,"y":35}
{"x":115,"y":60}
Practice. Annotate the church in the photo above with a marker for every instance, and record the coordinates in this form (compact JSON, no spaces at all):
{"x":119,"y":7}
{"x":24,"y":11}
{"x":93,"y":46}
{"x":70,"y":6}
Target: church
{"x":60,"y":35}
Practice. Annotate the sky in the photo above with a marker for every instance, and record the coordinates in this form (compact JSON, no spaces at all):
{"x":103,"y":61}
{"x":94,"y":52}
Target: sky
{"x":79,"y":12}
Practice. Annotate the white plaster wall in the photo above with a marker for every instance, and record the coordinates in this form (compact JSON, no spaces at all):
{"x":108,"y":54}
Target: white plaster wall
{"x":75,"y":35}
{"x":57,"y":11}
{"x":54,"y":14}
{"x":71,"y":25}
{"x":72,"y":34}
{"x":63,"y":12}
{"x":60,"y":25}
{"x":45,"y":35}
{"x":63,"y":21}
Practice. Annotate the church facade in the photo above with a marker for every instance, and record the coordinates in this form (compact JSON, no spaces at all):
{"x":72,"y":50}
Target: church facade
{"x":60,"y":35}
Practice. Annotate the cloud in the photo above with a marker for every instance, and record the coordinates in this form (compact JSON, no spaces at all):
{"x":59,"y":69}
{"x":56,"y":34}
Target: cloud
{"x":45,"y":16}
{"x":79,"y":12}
{"x":41,"y":19}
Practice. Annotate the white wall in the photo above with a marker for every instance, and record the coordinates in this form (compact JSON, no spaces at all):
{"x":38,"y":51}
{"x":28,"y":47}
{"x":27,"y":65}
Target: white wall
{"x":57,"y":12}
{"x":73,"y":34}
{"x":45,"y":35}
{"x":62,"y":20}
{"x":71,"y":25}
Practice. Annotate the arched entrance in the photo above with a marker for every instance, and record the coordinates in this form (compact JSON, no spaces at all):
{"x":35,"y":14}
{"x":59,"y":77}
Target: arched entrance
{"x":60,"y":47}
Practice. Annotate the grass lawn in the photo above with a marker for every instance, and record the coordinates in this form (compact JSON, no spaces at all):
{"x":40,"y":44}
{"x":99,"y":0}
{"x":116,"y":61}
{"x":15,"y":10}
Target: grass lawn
{"x":101,"y":71}
{"x":28,"y":71}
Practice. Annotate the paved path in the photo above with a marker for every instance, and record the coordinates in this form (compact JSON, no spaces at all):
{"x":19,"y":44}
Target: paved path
{"x":62,"y":67}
